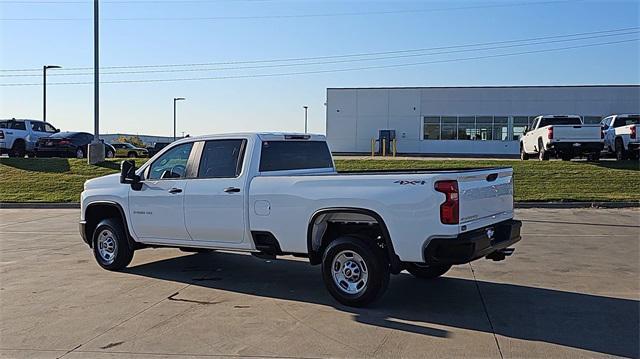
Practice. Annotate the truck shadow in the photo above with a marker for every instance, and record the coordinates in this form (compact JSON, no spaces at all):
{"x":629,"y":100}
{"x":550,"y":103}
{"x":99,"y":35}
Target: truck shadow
{"x":590,"y":322}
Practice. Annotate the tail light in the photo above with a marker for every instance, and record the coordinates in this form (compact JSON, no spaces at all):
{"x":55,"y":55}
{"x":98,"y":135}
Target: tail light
{"x":1,"y":135}
{"x":633,"y":132}
{"x":550,"y":133}
{"x":64,"y":141}
{"x":450,"y":209}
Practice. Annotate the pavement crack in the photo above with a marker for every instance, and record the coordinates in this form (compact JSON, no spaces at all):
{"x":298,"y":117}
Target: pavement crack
{"x":486,"y":311}
{"x":111,"y":345}
{"x":172,"y":297}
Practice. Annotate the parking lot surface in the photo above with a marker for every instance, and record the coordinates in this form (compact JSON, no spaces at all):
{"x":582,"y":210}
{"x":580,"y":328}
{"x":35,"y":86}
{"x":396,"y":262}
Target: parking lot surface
{"x":570,"y":290}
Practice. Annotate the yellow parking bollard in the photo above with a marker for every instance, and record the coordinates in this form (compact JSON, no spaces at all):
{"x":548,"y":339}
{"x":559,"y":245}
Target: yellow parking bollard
{"x":394,"y":146}
{"x":384,"y":147}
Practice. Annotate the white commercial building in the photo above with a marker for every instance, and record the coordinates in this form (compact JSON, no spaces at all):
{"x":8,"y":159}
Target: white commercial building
{"x":461,"y":120}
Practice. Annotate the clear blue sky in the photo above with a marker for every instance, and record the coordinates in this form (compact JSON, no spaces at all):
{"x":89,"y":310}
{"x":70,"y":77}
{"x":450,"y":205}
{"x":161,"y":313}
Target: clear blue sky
{"x":275,"y":103}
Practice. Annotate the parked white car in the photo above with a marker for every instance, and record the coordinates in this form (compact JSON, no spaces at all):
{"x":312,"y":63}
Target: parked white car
{"x":621,"y":135}
{"x":20,"y":137}
{"x":562,"y":137}
{"x":276,"y":194}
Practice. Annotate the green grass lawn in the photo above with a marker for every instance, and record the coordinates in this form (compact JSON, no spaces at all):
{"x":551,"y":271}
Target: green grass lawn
{"x":61,"y":180}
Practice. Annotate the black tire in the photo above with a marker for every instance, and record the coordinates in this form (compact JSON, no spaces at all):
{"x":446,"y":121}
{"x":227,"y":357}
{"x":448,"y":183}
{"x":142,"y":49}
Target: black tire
{"x":566,"y":157}
{"x":373,"y":263}
{"x":121,"y":254}
{"x":621,"y":154}
{"x":132,"y":155}
{"x":110,"y":154}
{"x":427,"y":271}
{"x":18,"y":150}
{"x":593,"y":157}
{"x":79,"y":153}
{"x":523,"y":155}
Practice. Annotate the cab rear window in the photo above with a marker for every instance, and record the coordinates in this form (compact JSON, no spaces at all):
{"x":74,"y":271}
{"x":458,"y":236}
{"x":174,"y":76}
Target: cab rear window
{"x":294,"y":155}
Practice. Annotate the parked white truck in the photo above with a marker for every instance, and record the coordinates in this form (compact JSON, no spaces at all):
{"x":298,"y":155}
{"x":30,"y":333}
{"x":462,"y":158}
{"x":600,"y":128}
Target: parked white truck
{"x":621,"y":135}
{"x":562,"y":137}
{"x":20,"y":137}
{"x":275,"y":194}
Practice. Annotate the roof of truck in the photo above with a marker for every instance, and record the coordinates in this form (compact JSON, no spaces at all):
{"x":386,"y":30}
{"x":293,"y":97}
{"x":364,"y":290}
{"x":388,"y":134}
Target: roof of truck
{"x":270,"y":136}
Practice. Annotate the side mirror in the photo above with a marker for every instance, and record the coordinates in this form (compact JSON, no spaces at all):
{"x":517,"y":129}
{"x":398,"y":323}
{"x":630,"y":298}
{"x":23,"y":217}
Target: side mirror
{"x":128,"y":174}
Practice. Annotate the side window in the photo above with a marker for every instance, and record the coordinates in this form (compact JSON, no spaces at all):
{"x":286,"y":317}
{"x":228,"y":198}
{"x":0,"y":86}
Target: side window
{"x":221,"y":159}
{"x":37,"y":126}
{"x":17,"y":125}
{"x":172,"y":164}
{"x":49,"y":129}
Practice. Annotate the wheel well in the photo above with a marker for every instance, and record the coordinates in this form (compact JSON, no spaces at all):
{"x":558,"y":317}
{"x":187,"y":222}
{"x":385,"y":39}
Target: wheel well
{"x":18,"y":142}
{"x":99,"y":211}
{"x":329,"y":224}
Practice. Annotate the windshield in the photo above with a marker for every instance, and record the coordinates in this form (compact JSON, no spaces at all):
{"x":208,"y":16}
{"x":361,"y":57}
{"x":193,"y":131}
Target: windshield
{"x":548,"y":121}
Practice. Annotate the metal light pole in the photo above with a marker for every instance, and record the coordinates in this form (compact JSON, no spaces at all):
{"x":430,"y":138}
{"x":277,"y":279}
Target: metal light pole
{"x":174,"y":114}
{"x":96,"y":149}
{"x":305,"y":118}
{"x":44,"y":89}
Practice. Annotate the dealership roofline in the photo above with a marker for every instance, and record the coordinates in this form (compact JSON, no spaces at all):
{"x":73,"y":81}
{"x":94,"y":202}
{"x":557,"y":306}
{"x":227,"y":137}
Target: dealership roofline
{"x":475,"y":87}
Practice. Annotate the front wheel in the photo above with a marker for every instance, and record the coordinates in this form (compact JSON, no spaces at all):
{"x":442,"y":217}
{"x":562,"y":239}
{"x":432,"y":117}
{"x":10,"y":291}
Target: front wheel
{"x":620,"y":152}
{"x":427,"y":271}
{"x":110,"y":245}
{"x":523,"y":154}
{"x":110,"y":154}
{"x":354,"y":271}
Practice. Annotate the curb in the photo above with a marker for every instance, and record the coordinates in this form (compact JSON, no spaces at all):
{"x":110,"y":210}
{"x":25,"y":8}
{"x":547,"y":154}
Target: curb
{"x":27,"y":205}
{"x":557,"y":205}
{"x":560,"y":205}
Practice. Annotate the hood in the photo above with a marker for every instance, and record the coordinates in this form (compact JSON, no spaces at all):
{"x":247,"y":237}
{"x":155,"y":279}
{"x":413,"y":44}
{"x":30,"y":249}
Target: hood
{"x":104,"y":181}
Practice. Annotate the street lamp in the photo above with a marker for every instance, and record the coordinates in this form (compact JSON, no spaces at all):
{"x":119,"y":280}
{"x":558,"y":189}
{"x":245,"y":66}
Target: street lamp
{"x":305,"y":118}
{"x":44,"y":89}
{"x":174,"y":114}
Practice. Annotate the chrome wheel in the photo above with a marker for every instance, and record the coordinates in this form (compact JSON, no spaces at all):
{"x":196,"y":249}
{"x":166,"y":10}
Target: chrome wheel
{"x":79,"y":153}
{"x":350,"y":272}
{"x":107,"y":246}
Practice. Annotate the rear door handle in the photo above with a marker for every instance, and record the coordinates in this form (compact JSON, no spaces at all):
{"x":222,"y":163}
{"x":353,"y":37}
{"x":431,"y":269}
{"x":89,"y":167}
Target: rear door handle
{"x":232,"y":189}
{"x":175,"y":190}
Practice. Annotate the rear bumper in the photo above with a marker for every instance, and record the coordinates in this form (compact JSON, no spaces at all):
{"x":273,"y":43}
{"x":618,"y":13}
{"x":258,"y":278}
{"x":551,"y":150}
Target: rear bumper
{"x":473,"y":245}
{"x":634,"y":146}
{"x":576,"y":147}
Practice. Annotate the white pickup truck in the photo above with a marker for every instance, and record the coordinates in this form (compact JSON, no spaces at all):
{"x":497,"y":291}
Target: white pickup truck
{"x":276,"y":194}
{"x":621,"y":135}
{"x":563,"y":137}
{"x":20,"y":137}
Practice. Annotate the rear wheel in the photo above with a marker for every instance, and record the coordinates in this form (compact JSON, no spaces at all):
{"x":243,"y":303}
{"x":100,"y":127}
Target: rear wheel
{"x":565,"y":157}
{"x":109,"y":154}
{"x":79,"y":152}
{"x":620,"y":152}
{"x":427,"y":271}
{"x":354,"y":271}
{"x":542,"y":154}
{"x":110,"y":245}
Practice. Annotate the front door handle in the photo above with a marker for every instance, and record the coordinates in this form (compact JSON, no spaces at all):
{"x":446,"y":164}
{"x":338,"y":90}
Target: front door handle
{"x":232,"y":190}
{"x":175,"y":190}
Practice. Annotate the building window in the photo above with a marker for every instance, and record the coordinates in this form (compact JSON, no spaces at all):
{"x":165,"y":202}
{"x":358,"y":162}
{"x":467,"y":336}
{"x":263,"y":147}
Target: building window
{"x":432,"y":128}
{"x":466,"y":127}
{"x":484,"y":128}
{"x":500,"y":128}
{"x":449,"y":128}
{"x":519,"y":125}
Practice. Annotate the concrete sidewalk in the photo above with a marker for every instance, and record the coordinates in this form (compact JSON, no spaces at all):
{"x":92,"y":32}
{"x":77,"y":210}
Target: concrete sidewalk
{"x":571,"y":289}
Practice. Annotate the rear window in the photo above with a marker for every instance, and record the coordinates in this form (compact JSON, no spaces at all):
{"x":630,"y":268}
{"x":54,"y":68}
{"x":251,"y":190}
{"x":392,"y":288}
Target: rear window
{"x":13,"y":125}
{"x":626,"y":121}
{"x":294,"y":155}
{"x":560,"y":121}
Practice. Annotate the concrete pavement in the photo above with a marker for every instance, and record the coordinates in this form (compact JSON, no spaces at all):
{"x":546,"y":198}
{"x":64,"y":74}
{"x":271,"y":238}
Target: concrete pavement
{"x":571,"y":289}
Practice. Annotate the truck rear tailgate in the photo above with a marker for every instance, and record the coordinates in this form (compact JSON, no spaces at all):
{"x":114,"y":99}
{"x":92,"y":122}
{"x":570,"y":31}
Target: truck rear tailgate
{"x":486,"y":197}
{"x":577,"y":133}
